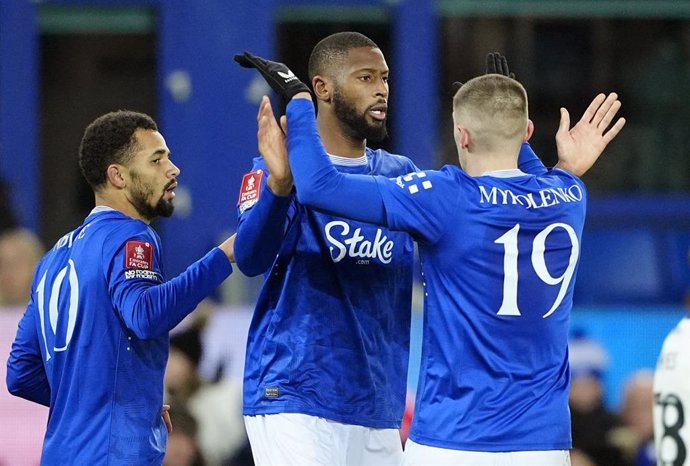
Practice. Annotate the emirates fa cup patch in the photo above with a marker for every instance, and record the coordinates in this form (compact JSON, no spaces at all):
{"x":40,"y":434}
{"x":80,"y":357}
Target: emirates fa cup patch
{"x":250,"y":190}
{"x":139,"y":255}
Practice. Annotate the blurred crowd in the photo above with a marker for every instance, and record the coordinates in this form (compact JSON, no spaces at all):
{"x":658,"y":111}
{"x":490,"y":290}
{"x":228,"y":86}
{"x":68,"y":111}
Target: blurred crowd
{"x":203,"y":386}
{"x":602,"y":437}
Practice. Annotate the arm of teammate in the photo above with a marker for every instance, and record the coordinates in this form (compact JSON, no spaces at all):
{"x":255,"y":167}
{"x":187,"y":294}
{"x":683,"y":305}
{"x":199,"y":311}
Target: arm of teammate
{"x":319,"y":184}
{"x":579,"y":147}
{"x":261,"y":227}
{"x":150,"y":308}
{"x":26,"y":376}
{"x":407,"y":203}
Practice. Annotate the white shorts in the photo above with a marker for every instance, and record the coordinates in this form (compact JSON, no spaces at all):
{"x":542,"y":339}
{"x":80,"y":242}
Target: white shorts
{"x":424,"y":455}
{"x":290,"y":439}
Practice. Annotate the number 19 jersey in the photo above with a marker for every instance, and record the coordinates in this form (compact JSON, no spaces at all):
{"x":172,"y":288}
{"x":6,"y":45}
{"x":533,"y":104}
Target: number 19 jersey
{"x":499,"y":258}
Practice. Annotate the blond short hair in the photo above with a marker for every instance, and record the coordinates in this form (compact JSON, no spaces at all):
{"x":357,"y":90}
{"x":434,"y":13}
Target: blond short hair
{"x":494,"y":108}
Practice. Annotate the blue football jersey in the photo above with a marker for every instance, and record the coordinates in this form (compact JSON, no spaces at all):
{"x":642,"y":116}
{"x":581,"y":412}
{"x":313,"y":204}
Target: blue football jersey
{"x":331,"y":328}
{"x":93,"y":342}
{"x":499,"y":257}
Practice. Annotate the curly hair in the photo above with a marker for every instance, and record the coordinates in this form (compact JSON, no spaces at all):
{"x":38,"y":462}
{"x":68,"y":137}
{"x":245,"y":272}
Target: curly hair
{"x":110,"y":139}
{"x":330,"y":52}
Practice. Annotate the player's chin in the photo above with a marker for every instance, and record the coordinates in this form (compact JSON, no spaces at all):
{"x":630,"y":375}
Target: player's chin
{"x":377,"y":133}
{"x":165,"y":208}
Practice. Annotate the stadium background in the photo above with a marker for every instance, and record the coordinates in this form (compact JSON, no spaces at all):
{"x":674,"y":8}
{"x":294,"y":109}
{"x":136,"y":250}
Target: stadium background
{"x":63,"y":62}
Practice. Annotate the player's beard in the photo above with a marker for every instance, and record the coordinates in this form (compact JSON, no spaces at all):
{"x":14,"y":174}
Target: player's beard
{"x":140,"y":200}
{"x":356,"y":124}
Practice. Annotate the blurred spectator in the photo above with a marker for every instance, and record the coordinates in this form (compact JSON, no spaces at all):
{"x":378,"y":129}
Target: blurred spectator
{"x":579,"y":458}
{"x":22,"y":424}
{"x":216,"y":407}
{"x":8,"y":220}
{"x":636,"y":411}
{"x":182,"y":449}
{"x":20,"y":251}
{"x":224,"y":340}
{"x":593,"y":425}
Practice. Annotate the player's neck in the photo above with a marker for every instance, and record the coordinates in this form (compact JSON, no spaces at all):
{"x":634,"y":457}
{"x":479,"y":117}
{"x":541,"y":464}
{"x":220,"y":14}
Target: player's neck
{"x":478,"y":164}
{"x":335,"y":140}
{"x":119,"y":202}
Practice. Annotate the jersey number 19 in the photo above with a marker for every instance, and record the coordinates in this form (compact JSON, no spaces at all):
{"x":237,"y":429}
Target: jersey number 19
{"x":509,"y":240}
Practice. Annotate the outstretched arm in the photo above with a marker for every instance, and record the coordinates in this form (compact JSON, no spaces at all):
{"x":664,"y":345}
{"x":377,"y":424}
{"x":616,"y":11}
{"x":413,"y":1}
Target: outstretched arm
{"x":579,"y":147}
{"x":319,"y":184}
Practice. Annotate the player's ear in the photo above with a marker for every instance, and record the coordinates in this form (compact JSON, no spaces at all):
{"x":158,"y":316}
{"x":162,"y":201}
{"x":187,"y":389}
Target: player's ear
{"x":115,"y":175}
{"x":529,"y":132}
{"x":463,"y":137}
{"x":322,"y":88}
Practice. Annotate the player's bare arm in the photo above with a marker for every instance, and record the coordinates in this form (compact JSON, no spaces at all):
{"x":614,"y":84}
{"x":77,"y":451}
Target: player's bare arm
{"x":228,"y":247}
{"x":579,"y":147}
{"x":273,"y":149}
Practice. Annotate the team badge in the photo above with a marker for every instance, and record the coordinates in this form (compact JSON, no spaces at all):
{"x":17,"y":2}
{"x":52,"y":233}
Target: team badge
{"x":250,"y":190}
{"x":139,"y":255}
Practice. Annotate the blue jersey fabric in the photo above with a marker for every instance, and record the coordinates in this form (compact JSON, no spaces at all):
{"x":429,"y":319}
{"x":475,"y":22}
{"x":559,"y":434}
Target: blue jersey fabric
{"x":93,"y":342}
{"x":499,"y":257}
{"x":331,"y":328}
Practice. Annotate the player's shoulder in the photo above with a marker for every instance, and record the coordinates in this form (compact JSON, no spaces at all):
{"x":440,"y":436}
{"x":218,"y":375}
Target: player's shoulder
{"x":561,"y":179}
{"x":112,"y":229}
{"x":561,"y":174}
{"x":429,"y":181}
{"x":389,"y":164}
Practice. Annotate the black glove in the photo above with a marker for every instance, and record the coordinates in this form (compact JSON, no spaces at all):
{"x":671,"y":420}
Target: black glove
{"x":495,"y":64}
{"x":281,"y":79}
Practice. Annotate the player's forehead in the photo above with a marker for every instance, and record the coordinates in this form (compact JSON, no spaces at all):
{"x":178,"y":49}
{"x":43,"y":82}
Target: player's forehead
{"x":149,"y":142}
{"x":364,"y":58}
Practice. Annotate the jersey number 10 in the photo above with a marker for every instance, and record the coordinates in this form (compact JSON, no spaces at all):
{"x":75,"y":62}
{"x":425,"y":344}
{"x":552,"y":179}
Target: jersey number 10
{"x":53,"y":305}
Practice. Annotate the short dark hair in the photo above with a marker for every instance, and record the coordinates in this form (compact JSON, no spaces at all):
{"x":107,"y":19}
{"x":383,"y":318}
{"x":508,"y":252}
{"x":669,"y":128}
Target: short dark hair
{"x":110,"y":139}
{"x":331,"y":51}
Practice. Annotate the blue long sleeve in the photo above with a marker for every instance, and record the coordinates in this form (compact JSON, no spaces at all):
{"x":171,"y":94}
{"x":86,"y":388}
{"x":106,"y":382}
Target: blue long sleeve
{"x":529,"y":162}
{"x":26,"y":375}
{"x":260,"y":233}
{"x":150,"y":311}
{"x":319,"y":184}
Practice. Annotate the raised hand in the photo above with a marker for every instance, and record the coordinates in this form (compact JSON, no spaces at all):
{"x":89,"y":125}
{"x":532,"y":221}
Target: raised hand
{"x":498,"y":64}
{"x":580,"y":146}
{"x":273,"y":149}
{"x":495,"y":64}
{"x":281,"y":79}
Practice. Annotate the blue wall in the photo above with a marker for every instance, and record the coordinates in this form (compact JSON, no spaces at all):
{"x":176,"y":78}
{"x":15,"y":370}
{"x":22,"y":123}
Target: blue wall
{"x":18,"y":107}
{"x":207,"y":104}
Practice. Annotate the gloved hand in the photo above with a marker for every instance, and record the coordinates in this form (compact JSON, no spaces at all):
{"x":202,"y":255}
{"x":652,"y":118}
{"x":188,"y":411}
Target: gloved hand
{"x":495,"y":64}
{"x":281,"y":79}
